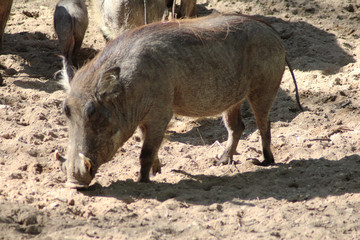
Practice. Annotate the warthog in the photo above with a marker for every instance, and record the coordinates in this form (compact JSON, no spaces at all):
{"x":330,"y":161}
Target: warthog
{"x":5,"y":8}
{"x":70,"y":23}
{"x":116,"y":16}
{"x":198,"y":67}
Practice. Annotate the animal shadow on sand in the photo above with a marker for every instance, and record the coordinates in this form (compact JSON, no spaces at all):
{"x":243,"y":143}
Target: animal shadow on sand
{"x":210,"y":130}
{"x":39,"y":57}
{"x":310,"y":48}
{"x":298,"y":180}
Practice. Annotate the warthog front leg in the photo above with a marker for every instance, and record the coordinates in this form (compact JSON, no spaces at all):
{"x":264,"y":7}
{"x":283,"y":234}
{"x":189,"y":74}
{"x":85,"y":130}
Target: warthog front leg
{"x":153,"y":132}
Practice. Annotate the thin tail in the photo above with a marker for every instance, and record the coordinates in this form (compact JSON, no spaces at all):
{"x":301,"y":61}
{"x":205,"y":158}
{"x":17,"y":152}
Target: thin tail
{"x":296,"y":88}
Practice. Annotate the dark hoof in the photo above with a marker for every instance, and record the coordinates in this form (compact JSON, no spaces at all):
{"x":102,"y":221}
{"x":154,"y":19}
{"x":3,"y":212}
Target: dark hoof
{"x":263,"y":163}
{"x":144,"y":179}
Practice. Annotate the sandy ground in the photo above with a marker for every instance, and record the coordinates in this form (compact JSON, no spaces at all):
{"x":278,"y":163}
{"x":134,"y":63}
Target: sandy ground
{"x":311,"y":193}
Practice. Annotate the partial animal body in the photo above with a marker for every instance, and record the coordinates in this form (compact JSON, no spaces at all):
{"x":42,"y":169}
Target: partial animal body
{"x":199,"y":67}
{"x":187,"y":8}
{"x":5,"y":8}
{"x":116,"y":16}
{"x":70,"y":23}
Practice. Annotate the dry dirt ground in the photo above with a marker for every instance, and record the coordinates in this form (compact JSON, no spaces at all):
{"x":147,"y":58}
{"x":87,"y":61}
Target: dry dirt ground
{"x":313,"y":192}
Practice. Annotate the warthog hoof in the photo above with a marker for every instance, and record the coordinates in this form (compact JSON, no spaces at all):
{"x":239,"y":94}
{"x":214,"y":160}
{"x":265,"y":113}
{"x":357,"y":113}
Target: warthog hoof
{"x":263,"y":163}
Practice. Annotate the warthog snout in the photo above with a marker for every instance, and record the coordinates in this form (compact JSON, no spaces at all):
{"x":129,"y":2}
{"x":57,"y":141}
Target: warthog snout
{"x":80,"y":178}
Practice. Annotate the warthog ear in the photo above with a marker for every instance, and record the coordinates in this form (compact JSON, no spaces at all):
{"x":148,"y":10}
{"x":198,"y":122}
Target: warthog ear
{"x":109,"y":85}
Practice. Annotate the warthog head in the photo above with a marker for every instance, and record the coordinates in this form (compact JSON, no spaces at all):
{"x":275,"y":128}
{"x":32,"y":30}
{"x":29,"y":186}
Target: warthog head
{"x":93,"y":120}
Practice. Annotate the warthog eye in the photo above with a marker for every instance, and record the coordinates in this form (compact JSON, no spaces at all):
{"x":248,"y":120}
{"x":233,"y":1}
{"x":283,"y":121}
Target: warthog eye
{"x":89,"y":109}
{"x":67,"y":110}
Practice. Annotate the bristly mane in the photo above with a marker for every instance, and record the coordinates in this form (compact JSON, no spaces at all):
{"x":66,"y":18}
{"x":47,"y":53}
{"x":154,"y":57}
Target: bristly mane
{"x":176,"y":27}
{"x":151,"y":32}
{"x":65,"y":75}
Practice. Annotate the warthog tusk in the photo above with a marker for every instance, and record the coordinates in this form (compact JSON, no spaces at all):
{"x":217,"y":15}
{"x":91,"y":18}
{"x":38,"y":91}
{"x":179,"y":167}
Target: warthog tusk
{"x":58,"y":156}
{"x":87,"y":161}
